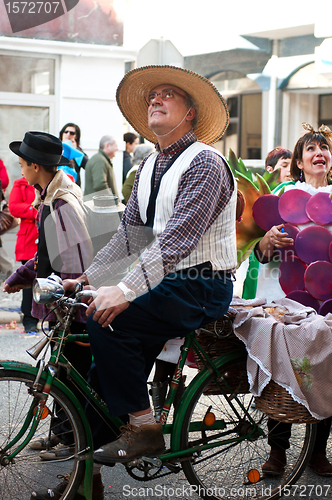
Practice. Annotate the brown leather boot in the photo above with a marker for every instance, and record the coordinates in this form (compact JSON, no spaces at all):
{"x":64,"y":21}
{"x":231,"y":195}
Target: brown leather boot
{"x":276,"y":462}
{"x":134,"y":442}
{"x":321,"y":465}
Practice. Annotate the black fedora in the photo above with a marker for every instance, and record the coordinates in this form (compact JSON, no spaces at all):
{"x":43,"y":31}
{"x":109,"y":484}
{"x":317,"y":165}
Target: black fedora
{"x":41,"y":148}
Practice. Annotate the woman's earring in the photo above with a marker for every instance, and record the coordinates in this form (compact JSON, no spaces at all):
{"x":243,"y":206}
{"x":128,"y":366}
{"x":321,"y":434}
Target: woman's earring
{"x":301,"y":176}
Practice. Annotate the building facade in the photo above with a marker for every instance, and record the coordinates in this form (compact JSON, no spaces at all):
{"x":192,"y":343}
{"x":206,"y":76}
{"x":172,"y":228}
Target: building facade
{"x":283,"y":80}
{"x":54,"y":74}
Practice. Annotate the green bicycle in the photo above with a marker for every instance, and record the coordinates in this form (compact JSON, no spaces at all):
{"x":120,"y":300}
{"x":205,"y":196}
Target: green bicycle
{"x":216,"y":435}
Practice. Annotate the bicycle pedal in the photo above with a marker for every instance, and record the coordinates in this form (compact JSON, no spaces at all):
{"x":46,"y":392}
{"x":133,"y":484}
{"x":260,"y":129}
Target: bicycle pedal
{"x":175,"y":469}
{"x":153,"y":461}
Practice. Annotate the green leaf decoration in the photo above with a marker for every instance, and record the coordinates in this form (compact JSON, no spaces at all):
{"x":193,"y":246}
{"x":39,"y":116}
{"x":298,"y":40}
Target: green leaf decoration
{"x":244,"y":170}
{"x":242,"y":178}
{"x":244,"y":252}
{"x":264,"y":188}
{"x":237,"y":165}
{"x":272,"y":178}
{"x":232,"y":161}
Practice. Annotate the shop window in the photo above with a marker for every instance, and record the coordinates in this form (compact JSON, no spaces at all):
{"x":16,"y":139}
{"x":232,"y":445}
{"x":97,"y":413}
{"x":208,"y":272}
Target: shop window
{"x":244,"y":103}
{"x":325,"y":110}
{"x":233,"y":106}
{"x":251,"y":126}
{"x":29,"y":75}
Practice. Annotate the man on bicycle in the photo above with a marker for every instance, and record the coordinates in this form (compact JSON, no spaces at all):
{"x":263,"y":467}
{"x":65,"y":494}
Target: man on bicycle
{"x":179,"y":228}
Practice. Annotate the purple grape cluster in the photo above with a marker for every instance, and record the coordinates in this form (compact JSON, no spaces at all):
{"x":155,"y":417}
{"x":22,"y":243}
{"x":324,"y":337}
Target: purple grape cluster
{"x":305,"y":272}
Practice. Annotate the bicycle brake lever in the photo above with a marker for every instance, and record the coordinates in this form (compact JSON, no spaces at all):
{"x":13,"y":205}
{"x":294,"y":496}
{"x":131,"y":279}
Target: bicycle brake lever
{"x":79,"y":287}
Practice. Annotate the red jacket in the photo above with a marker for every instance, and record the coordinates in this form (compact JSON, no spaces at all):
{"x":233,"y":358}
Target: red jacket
{"x":20,"y":205}
{"x":3,"y":176}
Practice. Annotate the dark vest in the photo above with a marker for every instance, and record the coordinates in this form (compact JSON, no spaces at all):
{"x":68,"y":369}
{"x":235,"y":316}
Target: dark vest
{"x":45,"y":267}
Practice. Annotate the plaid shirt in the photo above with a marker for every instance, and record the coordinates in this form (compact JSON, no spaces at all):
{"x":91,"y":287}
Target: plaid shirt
{"x":204,"y":191}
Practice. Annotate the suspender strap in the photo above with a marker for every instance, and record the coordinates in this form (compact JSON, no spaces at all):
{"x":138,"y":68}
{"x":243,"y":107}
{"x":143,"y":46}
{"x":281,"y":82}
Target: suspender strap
{"x":150,"y":212}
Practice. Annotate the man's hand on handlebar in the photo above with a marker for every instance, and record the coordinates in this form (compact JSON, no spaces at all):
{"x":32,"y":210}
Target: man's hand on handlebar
{"x":70,"y":285}
{"x":109,"y":303}
{"x":74,"y":286}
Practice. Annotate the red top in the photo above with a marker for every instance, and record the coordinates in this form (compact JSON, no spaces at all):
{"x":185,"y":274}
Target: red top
{"x":20,"y":202}
{"x":3,"y":175}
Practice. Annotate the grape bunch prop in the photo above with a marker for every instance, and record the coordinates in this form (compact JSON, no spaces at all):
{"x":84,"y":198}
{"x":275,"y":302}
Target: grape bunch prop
{"x":305,"y":272}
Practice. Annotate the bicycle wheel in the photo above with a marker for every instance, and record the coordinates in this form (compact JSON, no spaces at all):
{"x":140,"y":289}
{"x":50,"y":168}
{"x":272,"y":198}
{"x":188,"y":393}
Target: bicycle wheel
{"x":28,"y":473}
{"x":224,"y":472}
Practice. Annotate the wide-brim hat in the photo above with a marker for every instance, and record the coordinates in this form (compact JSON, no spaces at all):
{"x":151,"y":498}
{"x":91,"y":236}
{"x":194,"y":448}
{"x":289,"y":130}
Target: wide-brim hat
{"x":41,"y":148}
{"x":212,"y":116}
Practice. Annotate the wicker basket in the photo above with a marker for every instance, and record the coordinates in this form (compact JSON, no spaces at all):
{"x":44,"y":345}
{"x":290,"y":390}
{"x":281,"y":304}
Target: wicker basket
{"x":216,"y":339}
{"x":278,"y":404}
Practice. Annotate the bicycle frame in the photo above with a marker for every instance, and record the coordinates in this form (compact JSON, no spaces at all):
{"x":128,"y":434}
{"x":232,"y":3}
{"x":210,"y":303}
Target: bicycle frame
{"x":190,"y":440}
{"x":47,"y":377}
{"x":175,"y":428}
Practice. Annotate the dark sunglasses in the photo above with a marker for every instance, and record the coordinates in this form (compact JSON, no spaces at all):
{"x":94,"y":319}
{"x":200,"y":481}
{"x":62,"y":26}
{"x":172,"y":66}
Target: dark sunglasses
{"x":69,"y":132}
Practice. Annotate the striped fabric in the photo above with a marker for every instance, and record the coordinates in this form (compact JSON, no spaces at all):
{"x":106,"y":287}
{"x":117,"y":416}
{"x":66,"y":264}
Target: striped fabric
{"x":217,"y":245}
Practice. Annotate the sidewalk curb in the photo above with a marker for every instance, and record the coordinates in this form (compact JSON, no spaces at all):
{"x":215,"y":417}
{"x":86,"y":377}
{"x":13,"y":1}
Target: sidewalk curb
{"x":8,"y":316}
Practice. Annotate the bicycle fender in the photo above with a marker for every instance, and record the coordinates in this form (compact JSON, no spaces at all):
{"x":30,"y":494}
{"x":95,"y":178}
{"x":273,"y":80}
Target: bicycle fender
{"x":190,"y":391}
{"x":14,"y":365}
{"x":17,"y":366}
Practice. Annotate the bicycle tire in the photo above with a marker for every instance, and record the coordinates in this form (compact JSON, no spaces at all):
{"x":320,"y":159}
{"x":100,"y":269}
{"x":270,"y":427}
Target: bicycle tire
{"x":221,"y":473}
{"x":29,"y":473}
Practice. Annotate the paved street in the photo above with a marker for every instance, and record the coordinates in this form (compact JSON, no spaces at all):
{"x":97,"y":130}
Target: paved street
{"x":13,"y":343}
{"x":118,"y":484}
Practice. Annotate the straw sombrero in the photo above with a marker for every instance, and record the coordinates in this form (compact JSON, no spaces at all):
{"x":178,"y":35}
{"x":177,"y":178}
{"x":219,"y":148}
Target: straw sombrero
{"x":212,"y":110}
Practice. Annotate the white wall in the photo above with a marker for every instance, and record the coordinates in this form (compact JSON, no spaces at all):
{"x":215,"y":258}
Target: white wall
{"x":86,"y":79}
{"x":87,"y":97}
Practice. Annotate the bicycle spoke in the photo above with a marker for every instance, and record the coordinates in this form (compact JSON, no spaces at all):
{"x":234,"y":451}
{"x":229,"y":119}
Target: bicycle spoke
{"x":27,"y":472}
{"x":222,"y":471}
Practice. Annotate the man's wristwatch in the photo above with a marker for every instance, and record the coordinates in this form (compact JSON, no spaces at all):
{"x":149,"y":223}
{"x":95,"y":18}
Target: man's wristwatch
{"x":129,"y":294}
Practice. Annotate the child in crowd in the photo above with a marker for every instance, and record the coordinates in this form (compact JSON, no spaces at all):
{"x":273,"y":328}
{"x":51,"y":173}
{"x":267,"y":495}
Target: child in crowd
{"x":279,"y":158}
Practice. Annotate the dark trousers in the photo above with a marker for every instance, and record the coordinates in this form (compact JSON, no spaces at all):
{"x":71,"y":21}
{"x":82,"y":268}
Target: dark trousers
{"x":124,"y":357}
{"x":163,"y":370}
{"x":80,"y":357}
{"x":26,"y":305}
{"x":280,"y":433}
